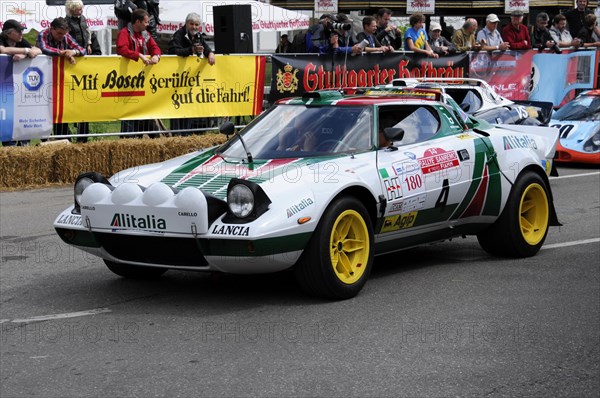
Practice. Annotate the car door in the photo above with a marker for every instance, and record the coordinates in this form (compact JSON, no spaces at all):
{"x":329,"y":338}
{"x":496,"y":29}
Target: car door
{"x":427,"y":176}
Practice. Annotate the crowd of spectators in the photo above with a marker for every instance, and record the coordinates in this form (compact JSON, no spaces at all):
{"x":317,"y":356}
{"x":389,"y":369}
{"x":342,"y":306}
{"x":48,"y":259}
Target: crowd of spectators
{"x":575,"y":28}
{"x":70,"y":37}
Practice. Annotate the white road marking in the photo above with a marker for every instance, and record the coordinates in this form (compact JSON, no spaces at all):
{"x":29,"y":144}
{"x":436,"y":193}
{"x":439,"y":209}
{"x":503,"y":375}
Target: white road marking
{"x":57,"y":316}
{"x":574,"y":243}
{"x":576,"y":175}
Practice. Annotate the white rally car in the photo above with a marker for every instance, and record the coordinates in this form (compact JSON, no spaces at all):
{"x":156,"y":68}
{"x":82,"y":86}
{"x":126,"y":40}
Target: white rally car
{"x":320,"y":185}
{"x":477,"y":98}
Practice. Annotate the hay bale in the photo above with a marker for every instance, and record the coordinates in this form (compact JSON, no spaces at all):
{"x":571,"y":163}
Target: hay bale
{"x":61,"y":164}
{"x":26,"y":166}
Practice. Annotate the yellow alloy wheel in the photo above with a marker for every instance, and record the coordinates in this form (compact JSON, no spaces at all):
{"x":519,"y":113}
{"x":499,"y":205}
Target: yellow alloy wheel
{"x":349,"y":246}
{"x":533,"y":211}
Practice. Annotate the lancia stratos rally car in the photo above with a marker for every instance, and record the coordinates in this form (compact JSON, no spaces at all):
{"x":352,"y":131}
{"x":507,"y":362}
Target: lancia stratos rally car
{"x":476,"y":97}
{"x":579,"y":125}
{"x":320,"y":185}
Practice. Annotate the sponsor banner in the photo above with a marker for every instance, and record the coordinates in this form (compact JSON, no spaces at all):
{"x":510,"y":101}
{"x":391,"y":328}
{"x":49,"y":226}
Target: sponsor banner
{"x":26,"y":90}
{"x":509,"y":72}
{"x":529,"y":75}
{"x":577,"y":69}
{"x":38,"y":15}
{"x":326,"y":6}
{"x":296,"y":75}
{"x":516,"y":5}
{"x":420,"y":7}
{"x":265,"y":18}
{"x":113,"y":87}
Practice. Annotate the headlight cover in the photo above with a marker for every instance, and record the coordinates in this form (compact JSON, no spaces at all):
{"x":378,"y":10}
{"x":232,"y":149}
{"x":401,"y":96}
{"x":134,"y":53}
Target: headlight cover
{"x":246,"y":201}
{"x":240,"y":200}
{"x":81,"y":183}
{"x":593,"y":144}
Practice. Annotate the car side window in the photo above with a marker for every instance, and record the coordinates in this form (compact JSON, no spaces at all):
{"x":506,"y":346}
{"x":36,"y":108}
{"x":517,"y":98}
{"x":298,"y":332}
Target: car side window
{"x":418,"y":122}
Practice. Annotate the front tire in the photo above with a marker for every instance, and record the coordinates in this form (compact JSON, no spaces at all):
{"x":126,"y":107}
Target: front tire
{"x":338,"y":259}
{"x":134,"y":271}
{"x":522,"y":228}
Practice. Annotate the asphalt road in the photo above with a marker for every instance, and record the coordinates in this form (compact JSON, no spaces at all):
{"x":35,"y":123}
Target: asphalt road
{"x":440,"y":320}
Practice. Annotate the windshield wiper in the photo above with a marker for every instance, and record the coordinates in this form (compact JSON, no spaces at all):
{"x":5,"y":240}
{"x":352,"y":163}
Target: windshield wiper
{"x":228,"y":128}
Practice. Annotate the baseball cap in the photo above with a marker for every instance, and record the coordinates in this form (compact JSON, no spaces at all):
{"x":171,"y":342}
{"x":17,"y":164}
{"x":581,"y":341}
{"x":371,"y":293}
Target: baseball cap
{"x":327,"y":16}
{"x":12,"y":24}
{"x":517,"y":13}
{"x":492,"y":18}
{"x":434,"y":26}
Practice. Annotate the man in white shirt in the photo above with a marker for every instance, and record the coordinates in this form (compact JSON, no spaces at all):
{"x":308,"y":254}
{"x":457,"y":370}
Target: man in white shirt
{"x":491,"y":36}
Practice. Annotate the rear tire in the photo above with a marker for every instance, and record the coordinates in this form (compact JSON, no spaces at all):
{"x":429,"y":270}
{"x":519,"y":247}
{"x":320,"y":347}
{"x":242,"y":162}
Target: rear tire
{"x":338,"y":259}
{"x":523,"y":225}
{"x":134,"y":271}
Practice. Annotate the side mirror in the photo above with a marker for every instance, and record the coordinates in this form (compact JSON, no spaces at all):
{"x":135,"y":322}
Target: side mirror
{"x":227,"y":128}
{"x":393,"y":133}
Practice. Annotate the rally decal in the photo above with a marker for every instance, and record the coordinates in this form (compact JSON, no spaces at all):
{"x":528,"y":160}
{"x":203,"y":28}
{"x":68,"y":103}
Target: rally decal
{"x":476,"y":204}
{"x":393,"y":188}
{"x":400,"y":221}
{"x":437,"y":159}
{"x":484,"y":194}
{"x":212,"y":173}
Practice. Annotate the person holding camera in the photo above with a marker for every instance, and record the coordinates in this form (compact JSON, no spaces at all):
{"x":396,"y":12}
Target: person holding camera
{"x":386,"y":33}
{"x":188,"y":40}
{"x":561,"y":35}
{"x":367,"y":36}
{"x":124,"y":11}
{"x":540,"y":35}
{"x":331,"y":35}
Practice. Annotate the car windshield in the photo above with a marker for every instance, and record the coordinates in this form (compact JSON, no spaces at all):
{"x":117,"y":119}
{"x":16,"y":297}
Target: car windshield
{"x":305,"y":131}
{"x":586,"y":107}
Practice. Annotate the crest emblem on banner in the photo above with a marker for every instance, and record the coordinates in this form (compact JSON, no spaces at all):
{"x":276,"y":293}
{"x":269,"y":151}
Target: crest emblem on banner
{"x":287,"y":80}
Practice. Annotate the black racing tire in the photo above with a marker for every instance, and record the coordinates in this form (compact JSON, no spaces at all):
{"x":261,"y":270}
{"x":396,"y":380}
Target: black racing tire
{"x":523,"y":225}
{"x":134,"y":271}
{"x":339,"y":256}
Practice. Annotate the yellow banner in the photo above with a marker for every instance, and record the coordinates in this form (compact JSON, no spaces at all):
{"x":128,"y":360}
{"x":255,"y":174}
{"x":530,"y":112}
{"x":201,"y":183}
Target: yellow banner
{"x":113,"y":88}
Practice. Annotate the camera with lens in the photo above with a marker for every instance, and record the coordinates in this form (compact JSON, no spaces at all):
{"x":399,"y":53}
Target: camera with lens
{"x":197,"y":41}
{"x":338,"y":26}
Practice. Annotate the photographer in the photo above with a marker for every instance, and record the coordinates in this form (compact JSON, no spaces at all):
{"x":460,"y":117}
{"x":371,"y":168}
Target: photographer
{"x":540,"y":35}
{"x":332,"y":35}
{"x":124,"y":10}
{"x":188,"y":40}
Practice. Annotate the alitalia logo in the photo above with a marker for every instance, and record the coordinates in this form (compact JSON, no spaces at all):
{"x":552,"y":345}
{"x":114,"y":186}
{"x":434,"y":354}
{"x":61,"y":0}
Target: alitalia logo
{"x":120,"y":220}
{"x":513,"y":142}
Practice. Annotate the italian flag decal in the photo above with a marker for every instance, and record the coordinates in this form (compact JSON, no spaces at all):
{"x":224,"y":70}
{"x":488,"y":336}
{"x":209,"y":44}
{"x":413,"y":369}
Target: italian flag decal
{"x":484,"y":195}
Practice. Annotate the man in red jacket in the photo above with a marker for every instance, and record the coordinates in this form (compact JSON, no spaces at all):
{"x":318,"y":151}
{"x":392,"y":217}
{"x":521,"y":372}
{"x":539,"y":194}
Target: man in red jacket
{"x":134,"y":41}
{"x":515,"y":33}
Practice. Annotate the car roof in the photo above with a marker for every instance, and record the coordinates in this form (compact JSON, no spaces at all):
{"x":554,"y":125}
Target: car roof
{"x":367,"y":96}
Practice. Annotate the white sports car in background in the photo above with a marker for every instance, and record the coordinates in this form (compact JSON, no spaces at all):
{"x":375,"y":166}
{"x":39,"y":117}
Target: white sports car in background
{"x":477,"y":98}
{"x":320,"y":185}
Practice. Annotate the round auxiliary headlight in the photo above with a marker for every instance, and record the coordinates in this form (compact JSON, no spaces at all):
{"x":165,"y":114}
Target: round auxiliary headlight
{"x":80,"y":186}
{"x":240,"y":200}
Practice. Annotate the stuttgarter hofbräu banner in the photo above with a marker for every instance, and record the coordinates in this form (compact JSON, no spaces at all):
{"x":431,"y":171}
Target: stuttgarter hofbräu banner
{"x":110,"y":88}
{"x":26,"y":91}
{"x":517,"y":75}
{"x":295,"y":75}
